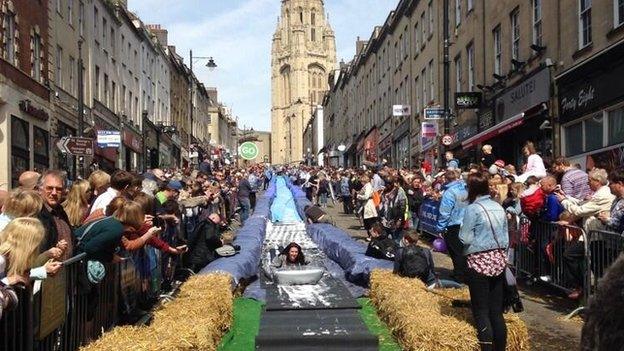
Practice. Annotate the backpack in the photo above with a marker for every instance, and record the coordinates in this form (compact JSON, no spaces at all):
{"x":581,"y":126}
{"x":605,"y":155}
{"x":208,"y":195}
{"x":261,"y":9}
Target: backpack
{"x":376,"y":198}
{"x":533,"y":204}
{"x":414,"y":263}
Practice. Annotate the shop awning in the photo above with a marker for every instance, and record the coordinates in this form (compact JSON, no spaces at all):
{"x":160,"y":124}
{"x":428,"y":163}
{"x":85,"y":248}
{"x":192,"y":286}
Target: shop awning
{"x":498,"y":129}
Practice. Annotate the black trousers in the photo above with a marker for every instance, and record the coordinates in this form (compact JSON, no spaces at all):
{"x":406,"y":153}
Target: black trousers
{"x":252,"y":200}
{"x":456,"y":251}
{"x":486,"y":299}
{"x":347,"y":206}
{"x":573,"y":258}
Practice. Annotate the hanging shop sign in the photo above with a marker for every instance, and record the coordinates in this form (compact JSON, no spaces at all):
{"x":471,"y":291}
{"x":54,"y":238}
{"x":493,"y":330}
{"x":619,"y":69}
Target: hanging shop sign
{"x":108,"y":138}
{"x":433,"y":113}
{"x":401,"y":110}
{"x":468,"y":100}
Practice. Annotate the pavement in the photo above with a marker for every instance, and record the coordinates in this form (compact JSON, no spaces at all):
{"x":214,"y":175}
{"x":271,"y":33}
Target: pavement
{"x":545,"y":309}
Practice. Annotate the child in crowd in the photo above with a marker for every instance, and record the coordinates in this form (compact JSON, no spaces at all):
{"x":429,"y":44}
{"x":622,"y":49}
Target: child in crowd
{"x":414,"y":261}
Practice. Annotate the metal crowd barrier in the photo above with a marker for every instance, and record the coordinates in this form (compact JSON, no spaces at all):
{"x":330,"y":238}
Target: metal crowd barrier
{"x":570,"y":256}
{"x":604,"y":248}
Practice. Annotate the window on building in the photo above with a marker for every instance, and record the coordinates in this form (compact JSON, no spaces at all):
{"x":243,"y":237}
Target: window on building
{"x":123,"y":100}
{"x":112,"y":40}
{"x":114,"y":97}
{"x":405,"y":44}
{"x":37,"y":64}
{"x":431,"y":17}
{"x":417,"y":95}
{"x":106,"y":91}
{"x":515,"y":33}
{"x":618,"y":11}
{"x":458,"y":74}
{"x":96,"y":83}
{"x":432,"y":88}
{"x":424,"y":30}
{"x":70,"y":12}
{"x":96,"y":18}
{"x":470,"y":5}
{"x":458,"y":12}
{"x":104,"y":30}
{"x":313,"y":26}
{"x":585,"y":31}
{"x":537,"y":21}
{"x":471,"y":67}
{"x":59,"y":66}
{"x":73,"y":69}
{"x":41,"y":149}
{"x":20,"y":143}
{"x":616,"y":126}
{"x":81,"y":16}
{"x":496,"y":34}
{"x":9,"y":37}
{"x":59,"y":7}
{"x":417,"y":36}
{"x":423,"y":76}
{"x":574,"y":132}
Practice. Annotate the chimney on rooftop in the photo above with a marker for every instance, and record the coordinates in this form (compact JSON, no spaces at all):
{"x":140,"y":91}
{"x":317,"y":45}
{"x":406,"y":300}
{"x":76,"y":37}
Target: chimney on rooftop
{"x":160,"y":33}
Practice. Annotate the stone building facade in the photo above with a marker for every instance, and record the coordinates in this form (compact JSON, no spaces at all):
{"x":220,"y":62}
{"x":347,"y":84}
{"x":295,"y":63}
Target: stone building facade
{"x":518,"y":57}
{"x":302,"y":56}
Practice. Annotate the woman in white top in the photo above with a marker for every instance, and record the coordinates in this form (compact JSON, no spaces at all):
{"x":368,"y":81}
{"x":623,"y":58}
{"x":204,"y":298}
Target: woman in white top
{"x":535,"y":164}
{"x":366,"y":196}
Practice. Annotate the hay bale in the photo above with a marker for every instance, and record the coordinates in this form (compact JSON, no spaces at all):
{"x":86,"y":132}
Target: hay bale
{"x":195,"y":320}
{"x":422,"y":320}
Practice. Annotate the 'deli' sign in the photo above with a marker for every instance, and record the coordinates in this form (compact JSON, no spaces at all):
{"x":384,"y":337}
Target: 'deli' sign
{"x":468,"y":100}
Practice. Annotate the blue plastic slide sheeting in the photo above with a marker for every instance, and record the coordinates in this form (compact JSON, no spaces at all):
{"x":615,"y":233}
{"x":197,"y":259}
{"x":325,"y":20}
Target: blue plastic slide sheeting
{"x":301,"y":201}
{"x":283,"y":208}
{"x":244,"y":265}
{"x":349,"y":254}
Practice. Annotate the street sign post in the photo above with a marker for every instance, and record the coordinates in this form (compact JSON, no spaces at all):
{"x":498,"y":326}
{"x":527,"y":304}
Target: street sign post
{"x":434,"y":113}
{"x":109,"y":138}
{"x":248,"y":151}
{"x":447,"y":140}
{"x":76,"y":146}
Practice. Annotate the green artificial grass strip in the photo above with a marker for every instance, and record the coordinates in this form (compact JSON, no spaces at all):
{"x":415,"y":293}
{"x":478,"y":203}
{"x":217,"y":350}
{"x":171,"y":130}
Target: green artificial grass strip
{"x":242,"y":334}
{"x":377,"y":327}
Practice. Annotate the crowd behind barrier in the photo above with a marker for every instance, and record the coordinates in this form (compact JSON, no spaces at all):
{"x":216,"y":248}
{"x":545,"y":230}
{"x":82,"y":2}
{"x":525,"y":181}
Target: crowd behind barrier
{"x":164,"y":226}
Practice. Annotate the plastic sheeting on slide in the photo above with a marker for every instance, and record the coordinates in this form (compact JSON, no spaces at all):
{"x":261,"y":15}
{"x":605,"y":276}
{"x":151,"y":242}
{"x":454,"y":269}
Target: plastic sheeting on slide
{"x":244,"y":265}
{"x":301,"y":201}
{"x":348,"y":253}
{"x":283,"y":208}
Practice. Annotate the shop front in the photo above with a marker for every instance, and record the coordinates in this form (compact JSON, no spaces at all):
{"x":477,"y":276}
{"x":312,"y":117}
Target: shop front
{"x":385,"y":149}
{"x":29,"y":139}
{"x":165,"y":151}
{"x":520,"y":114}
{"x":107,"y":146}
{"x":401,"y":145}
{"x":591,"y":107}
{"x":370,"y":146}
{"x":133,"y":149}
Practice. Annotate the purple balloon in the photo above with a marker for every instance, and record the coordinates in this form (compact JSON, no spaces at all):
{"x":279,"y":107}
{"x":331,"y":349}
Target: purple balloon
{"x":439,"y":245}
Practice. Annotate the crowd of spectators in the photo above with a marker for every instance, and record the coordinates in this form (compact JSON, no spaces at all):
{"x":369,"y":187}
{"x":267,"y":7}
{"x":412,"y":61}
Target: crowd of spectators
{"x":108,"y":218}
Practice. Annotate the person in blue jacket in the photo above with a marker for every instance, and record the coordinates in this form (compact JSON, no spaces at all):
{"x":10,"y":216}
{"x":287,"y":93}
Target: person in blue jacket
{"x":451,"y":214}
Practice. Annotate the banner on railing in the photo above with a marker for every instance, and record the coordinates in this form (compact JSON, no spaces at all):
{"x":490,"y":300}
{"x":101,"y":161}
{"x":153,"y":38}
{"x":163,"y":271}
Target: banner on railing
{"x":428,"y":215}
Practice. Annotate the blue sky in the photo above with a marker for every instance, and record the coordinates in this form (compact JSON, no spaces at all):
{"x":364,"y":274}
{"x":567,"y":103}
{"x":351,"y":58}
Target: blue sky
{"x":237,"y":33}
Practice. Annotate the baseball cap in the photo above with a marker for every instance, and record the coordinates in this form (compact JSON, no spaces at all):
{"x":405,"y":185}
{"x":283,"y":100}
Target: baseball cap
{"x":175,"y":184}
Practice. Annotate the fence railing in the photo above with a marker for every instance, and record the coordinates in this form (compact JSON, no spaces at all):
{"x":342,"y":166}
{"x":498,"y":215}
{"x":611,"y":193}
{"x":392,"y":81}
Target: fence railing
{"x":566,"y":255}
{"x":57,"y":315}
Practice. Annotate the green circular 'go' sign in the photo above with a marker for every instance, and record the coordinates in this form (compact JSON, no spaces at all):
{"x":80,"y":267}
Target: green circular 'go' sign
{"x":248,"y":150}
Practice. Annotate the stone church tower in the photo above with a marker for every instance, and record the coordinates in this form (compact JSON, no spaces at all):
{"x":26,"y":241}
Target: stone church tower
{"x":303,"y":55}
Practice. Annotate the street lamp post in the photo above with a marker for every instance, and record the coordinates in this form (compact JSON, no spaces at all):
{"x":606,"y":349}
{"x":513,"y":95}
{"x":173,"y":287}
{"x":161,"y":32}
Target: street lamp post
{"x":211,"y":66}
{"x":80,"y":103}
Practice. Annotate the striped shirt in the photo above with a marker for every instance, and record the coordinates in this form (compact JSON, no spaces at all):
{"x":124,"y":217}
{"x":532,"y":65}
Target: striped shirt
{"x":574,"y":183}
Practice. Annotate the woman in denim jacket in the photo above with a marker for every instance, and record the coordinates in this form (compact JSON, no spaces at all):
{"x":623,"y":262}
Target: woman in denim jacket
{"x":485,"y":238}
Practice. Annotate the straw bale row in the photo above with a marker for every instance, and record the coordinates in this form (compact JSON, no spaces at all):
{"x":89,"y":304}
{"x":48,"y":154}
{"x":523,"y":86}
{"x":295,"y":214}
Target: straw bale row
{"x":195,"y":320}
{"x":424,"y":320}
